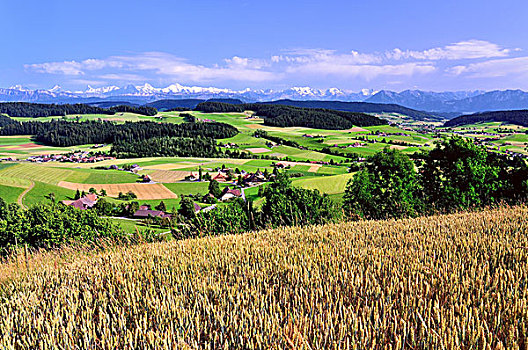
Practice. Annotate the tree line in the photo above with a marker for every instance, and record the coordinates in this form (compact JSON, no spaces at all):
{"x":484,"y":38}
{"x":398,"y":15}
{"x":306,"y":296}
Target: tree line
{"x":456,"y":175}
{"x":519,"y":117}
{"x":36,"y":110}
{"x":288,"y":116}
{"x":165,"y":146}
{"x":63,"y":133}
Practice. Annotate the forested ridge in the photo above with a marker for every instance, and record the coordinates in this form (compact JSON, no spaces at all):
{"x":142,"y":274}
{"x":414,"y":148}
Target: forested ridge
{"x":288,"y":116}
{"x":359,"y":107}
{"x":36,"y":110}
{"x":518,"y":117}
{"x":61,"y":133}
{"x":167,"y":147}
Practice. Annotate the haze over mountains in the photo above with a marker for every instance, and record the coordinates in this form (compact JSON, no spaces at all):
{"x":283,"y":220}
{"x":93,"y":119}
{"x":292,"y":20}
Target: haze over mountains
{"x":447,"y":103}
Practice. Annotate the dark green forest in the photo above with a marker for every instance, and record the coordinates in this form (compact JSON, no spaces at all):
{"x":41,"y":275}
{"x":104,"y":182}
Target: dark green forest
{"x":288,"y":116}
{"x":519,"y":117}
{"x":63,"y":133}
{"x":36,"y":110}
{"x":359,"y":107}
{"x":167,"y":147}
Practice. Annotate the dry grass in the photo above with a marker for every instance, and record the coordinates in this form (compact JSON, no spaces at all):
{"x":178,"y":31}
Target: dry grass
{"x":171,"y":166}
{"x":258,"y":150}
{"x":170,"y":176}
{"x":142,"y":191}
{"x":455,"y":281}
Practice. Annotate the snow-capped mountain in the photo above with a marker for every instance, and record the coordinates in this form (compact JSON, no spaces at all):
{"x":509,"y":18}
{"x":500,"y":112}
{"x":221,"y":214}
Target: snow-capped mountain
{"x":442,"y":102}
{"x":147,"y":93}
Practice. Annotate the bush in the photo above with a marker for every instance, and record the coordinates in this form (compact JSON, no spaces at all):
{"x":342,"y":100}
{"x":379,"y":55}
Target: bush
{"x":52,"y":225}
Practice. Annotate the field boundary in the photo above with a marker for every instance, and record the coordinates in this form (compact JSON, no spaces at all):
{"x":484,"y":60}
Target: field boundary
{"x":20,"y":198}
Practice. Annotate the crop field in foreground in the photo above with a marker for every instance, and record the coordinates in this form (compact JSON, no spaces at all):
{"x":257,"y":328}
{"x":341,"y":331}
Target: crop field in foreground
{"x":449,"y":281}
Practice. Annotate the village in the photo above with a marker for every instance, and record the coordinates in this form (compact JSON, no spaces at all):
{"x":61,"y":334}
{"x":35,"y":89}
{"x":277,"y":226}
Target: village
{"x":229,"y":184}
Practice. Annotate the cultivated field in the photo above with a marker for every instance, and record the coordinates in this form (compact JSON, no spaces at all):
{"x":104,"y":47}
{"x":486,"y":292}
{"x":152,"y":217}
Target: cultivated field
{"x":443,"y":282}
{"x":409,"y":137}
{"x":168,"y":176}
{"x":142,"y":191}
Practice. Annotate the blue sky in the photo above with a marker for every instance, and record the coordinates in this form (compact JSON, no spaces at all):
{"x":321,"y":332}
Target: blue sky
{"x":378,"y":44}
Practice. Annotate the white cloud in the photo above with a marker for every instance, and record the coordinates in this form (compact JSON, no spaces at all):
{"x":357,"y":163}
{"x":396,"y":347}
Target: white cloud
{"x":493,"y":68}
{"x":160,"y":64}
{"x":367,"y":72}
{"x":320,"y":55}
{"x":471,"y":49}
{"x":66,"y":68}
{"x":299,"y":66}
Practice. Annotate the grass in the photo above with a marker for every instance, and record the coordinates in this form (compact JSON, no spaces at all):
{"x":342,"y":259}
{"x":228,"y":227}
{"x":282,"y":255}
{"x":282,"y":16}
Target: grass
{"x":50,"y":175}
{"x":327,"y":184}
{"x":10,"y":194}
{"x":96,"y":176}
{"x":449,"y":281}
{"x":41,"y":190}
{"x":180,"y":188}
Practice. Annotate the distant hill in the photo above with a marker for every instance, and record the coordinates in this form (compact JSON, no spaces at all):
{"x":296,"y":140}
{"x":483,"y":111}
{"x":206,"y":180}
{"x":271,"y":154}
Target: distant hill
{"x":163,"y":105}
{"x":449,"y":104}
{"x":36,"y":110}
{"x":518,"y":117}
{"x":108,"y":104}
{"x":233,"y":101}
{"x":491,"y":101}
{"x":188,"y":103}
{"x":360,"y":107}
{"x":289,"y":116}
{"x":421,"y":100}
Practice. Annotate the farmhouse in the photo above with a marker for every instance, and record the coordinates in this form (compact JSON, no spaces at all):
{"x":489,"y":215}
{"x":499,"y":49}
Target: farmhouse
{"x":228,"y":194}
{"x":86,"y":202}
{"x":144,"y":213}
{"x":254,"y":178}
{"x":221,"y":177}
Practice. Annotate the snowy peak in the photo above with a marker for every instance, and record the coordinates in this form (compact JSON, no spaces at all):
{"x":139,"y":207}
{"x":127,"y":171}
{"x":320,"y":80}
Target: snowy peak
{"x":451,"y":102}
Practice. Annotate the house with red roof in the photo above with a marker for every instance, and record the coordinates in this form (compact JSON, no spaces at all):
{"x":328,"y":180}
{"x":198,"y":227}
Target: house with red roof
{"x":87,"y":201}
{"x":228,"y":194}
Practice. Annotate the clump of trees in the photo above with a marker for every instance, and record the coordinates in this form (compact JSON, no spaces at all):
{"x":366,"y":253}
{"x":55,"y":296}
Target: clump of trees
{"x":456,"y":175}
{"x":284,"y":205}
{"x":143,"y":110}
{"x":52,"y":225}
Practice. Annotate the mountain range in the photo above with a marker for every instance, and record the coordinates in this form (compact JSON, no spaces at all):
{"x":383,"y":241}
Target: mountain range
{"x":445,"y":103}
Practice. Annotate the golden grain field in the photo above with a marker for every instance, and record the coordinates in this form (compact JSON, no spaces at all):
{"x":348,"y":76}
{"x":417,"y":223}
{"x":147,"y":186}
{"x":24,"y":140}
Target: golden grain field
{"x":443,"y":282}
{"x":142,"y":190}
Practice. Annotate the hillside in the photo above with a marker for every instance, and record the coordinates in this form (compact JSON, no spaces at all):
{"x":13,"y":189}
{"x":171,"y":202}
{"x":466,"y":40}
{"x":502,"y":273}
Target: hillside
{"x":454,"y":281}
{"x":519,"y":117}
{"x":360,"y":107}
{"x":288,"y":116}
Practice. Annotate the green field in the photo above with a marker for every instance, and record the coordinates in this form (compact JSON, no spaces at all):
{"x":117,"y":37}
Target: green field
{"x":9,"y":193}
{"x":331,"y":185}
{"x":331,"y":179}
{"x":41,"y":190}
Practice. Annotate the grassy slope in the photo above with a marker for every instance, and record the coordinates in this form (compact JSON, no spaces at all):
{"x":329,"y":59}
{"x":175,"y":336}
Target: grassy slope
{"x":366,"y":284}
{"x":9,"y":193}
{"x":330,"y":185}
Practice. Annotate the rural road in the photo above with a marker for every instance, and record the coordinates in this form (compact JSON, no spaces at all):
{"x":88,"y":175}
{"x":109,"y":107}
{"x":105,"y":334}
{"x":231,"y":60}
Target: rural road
{"x":21,"y":196}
